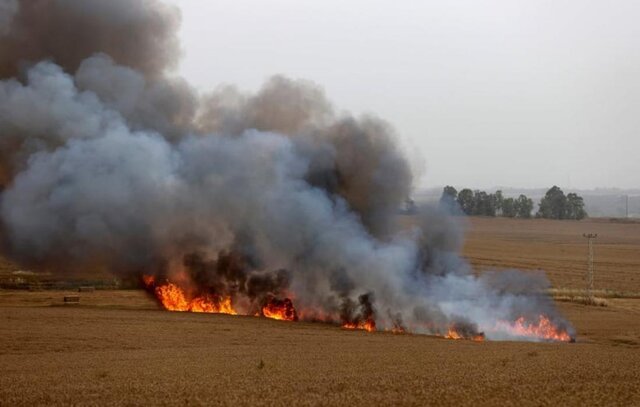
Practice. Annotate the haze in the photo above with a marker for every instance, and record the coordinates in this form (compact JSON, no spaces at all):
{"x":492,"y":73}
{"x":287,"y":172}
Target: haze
{"x":509,"y":93}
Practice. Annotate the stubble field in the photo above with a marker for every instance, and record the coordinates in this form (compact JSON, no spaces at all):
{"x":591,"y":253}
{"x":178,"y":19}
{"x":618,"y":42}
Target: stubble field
{"x":117,"y":347}
{"x":558,"y":248}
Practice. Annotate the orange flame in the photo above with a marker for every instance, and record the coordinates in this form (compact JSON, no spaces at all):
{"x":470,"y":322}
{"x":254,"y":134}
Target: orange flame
{"x":453,"y":334}
{"x":368,"y":325}
{"x":148,"y":280}
{"x":543,"y":329}
{"x":280,"y":309}
{"x":173,"y":298}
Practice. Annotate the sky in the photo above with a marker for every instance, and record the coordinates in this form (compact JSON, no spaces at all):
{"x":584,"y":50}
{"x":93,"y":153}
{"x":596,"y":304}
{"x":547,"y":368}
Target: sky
{"x":481,"y":93}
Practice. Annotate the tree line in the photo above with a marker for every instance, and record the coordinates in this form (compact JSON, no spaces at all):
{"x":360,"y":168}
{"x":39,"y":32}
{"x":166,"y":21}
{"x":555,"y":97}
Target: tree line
{"x":554,"y":205}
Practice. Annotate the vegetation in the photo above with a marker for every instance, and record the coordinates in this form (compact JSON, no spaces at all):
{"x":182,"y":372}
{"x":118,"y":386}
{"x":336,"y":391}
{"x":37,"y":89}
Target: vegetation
{"x":555,"y":205}
{"x":520,"y":207}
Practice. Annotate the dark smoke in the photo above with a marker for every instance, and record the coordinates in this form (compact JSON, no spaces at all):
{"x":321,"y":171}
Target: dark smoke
{"x":109,"y":161}
{"x":358,"y":313}
{"x":139,"y":34}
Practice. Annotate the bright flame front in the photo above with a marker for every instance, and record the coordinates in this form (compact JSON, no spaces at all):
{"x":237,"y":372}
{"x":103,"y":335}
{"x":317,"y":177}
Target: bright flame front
{"x":174,"y":298}
{"x":368,"y":325}
{"x":540,"y":328}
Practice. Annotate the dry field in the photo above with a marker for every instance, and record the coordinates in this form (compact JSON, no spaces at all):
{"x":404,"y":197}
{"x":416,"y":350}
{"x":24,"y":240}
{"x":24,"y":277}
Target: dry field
{"x":117,"y":347}
{"x":558,"y":248}
{"x":115,"y":354}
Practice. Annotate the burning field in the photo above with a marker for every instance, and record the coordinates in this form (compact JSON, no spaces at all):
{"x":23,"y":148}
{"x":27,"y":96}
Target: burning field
{"x":268,"y":204}
{"x":174,"y":298}
{"x":121,"y":347}
{"x":264,"y":236}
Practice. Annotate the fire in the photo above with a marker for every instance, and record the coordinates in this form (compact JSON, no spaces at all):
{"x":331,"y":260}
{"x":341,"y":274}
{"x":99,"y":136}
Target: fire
{"x":453,"y":334}
{"x":173,"y":298}
{"x":148,"y":280}
{"x":368,"y":325}
{"x":542,"y":328}
{"x":280,"y":309}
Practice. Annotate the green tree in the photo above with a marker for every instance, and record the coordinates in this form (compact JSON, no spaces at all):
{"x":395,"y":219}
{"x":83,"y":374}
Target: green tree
{"x":484,"y":204}
{"x":508,"y":208}
{"x":466,"y":201}
{"x":523,"y":206}
{"x":553,"y":205}
{"x":448,"y":197}
{"x":575,"y":207}
{"x":499,"y":199}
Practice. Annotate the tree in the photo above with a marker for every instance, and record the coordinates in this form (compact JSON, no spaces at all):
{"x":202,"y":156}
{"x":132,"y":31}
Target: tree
{"x":523,"y":207}
{"x":575,"y":207}
{"x":484,"y":204}
{"x":508,"y":208}
{"x":466,"y":201}
{"x":553,"y":205}
{"x":449,"y":197}
{"x":499,"y":199}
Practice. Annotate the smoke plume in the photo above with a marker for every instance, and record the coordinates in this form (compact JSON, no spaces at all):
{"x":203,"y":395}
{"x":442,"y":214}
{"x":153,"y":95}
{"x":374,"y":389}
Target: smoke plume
{"x":108,"y":160}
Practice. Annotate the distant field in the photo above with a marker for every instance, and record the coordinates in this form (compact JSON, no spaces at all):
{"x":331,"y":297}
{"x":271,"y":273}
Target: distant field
{"x":558,"y":248}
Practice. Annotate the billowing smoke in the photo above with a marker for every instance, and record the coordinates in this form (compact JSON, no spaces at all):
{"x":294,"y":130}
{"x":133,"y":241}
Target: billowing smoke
{"x":109,"y":161}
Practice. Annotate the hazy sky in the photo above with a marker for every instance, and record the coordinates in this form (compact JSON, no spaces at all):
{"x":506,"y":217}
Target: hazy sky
{"x":483,"y":93}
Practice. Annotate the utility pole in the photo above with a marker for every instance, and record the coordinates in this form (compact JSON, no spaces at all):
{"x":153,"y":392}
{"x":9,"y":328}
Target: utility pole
{"x":627,"y":208}
{"x":590,"y":266}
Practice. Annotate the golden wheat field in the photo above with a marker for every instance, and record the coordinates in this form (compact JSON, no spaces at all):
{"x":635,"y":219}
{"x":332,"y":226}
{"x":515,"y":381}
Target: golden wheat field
{"x":119,"y":348}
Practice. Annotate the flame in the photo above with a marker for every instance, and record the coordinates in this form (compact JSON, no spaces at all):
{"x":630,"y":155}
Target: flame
{"x":173,"y":298}
{"x":453,"y":334}
{"x":280,"y":309}
{"x":542,"y":328}
{"x":148,"y":280}
{"x":368,"y":325}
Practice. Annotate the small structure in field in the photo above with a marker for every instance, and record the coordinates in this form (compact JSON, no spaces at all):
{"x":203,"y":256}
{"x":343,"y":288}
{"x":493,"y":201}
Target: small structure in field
{"x":71,"y":299}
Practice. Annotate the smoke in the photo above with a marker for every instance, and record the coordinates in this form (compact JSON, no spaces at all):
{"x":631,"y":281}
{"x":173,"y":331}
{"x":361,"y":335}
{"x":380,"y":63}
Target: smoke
{"x":138,"y":34}
{"x":109,"y":161}
{"x":8,"y":9}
